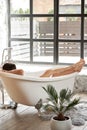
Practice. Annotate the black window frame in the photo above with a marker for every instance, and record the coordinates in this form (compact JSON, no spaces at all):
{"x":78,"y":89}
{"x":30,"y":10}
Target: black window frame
{"x":56,"y":17}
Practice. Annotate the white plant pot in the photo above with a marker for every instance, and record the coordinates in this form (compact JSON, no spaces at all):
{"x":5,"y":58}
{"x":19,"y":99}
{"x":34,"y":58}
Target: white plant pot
{"x":61,"y":125}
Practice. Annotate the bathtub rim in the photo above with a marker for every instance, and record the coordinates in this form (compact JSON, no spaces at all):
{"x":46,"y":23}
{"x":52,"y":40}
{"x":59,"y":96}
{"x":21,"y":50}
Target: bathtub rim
{"x":37,"y":78}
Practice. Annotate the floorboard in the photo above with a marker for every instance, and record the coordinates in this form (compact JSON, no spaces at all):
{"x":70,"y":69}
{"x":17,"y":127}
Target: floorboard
{"x":25,"y":118}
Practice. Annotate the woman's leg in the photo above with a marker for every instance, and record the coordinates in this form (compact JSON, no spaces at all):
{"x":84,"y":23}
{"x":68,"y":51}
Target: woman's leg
{"x":47,"y":73}
{"x":63,"y":71}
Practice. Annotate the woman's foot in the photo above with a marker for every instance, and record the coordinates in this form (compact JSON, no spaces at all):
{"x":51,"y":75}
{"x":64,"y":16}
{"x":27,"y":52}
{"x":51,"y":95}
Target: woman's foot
{"x":79,"y":65}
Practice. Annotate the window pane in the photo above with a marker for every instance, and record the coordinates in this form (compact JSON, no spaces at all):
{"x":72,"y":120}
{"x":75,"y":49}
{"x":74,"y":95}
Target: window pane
{"x":43,"y":28}
{"x":43,"y":51}
{"x":85,"y":29}
{"x":69,"y":6}
{"x":69,"y":28}
{"x":20,"y":27}
{"x":85,"y":7}
{"x":20,"y":6}
{"x":43,"y":6}
{"x":21,"y":51}
{"x":85,"y":52}
{"x":69,"y":52}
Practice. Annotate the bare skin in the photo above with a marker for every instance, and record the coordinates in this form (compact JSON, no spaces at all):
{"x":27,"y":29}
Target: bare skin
{"x":63,"y":71}
{"x":15,"y":71}
{"x":77,"y":67}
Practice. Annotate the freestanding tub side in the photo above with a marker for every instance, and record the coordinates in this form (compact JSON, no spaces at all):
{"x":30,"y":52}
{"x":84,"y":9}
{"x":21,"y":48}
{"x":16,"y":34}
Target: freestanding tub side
{"x":27,"y":90}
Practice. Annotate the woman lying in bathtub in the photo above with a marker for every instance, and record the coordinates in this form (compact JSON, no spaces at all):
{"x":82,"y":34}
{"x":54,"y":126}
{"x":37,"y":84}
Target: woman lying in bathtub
{"x":51,"y":72}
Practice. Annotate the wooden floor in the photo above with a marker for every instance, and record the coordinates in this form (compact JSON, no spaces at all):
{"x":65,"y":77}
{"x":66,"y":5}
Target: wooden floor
{"x":25,"y":118}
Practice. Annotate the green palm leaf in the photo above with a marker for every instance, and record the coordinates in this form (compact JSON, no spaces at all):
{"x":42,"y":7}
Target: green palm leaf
{"x":72,"y":104}
{"x":65,"y":94}
{"x":53,"y":96}
{"x":59,"y":104}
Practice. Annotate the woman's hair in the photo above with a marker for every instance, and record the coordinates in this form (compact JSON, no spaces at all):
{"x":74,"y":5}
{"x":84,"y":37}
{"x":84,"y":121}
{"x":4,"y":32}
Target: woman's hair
{"x":9,"y":66}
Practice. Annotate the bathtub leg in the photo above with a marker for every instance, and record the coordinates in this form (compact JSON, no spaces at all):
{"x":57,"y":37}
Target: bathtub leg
{"x":13,"y":105}
{"x":4,"y":105}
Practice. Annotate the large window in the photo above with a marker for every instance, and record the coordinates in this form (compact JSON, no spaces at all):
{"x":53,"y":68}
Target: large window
{"x":48,"y":31}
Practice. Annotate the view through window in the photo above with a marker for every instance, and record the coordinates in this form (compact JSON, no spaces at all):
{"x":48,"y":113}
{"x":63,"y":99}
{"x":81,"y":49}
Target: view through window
{"x":48,"y":31}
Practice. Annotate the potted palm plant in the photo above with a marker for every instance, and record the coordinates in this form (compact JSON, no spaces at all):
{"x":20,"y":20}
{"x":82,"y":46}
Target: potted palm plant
{"x":59,"y":104}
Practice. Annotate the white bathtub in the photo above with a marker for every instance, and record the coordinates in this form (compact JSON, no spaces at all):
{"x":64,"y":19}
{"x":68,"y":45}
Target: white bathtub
{"x":28,"y":89}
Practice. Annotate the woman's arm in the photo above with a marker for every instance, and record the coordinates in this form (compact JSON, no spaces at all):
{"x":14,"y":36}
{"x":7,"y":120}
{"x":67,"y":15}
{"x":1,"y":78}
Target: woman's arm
{"x":15,"y":71}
